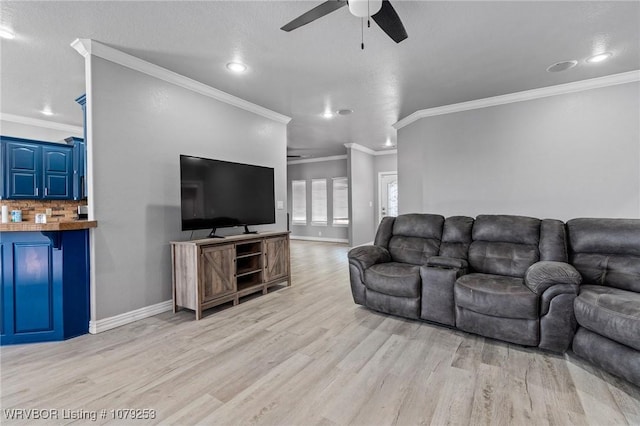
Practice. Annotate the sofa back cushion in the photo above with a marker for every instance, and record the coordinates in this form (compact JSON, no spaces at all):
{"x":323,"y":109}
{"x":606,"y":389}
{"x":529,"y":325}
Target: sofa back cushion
{"x":415,"y":238}
{"x":606,"y":251}
{"x":456,"y":237}
{"x":504,"y":245}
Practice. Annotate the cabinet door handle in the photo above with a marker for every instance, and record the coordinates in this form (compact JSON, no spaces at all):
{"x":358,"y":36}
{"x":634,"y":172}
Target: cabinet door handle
{"x":46,"y":192}
{"x":37,"y":192}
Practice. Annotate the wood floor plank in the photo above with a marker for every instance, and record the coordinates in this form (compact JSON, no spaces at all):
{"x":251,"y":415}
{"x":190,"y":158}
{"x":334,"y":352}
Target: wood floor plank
{"x":307,"y":355}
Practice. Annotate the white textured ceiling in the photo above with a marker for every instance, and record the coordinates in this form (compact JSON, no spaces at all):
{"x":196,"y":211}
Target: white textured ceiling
{"x":456,"y":51}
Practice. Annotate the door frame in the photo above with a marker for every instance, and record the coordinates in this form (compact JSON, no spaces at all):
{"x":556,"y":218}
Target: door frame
{"x":379,"y":183}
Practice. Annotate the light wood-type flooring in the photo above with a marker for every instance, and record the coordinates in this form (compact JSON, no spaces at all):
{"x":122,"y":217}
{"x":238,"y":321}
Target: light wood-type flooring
{"x":307,"y":355}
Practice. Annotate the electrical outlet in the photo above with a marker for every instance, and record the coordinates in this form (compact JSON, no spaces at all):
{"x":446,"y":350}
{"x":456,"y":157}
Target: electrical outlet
{"x":319,"y":233}
{"x":48,"y":212}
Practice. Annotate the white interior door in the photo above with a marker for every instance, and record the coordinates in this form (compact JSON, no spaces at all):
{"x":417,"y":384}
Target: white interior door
{"x":388,"y":194}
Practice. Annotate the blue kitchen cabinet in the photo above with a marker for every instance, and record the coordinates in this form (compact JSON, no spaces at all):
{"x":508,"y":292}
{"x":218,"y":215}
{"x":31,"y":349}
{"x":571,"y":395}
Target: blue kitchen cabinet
{"x":79,"y":167}
{"x":57,"y":172}
{"x":81,"y":153}
{"x":2,"y":172}
{"x":34,"y":170}
{"x":44,"y":286}
{"x":23,"y":164}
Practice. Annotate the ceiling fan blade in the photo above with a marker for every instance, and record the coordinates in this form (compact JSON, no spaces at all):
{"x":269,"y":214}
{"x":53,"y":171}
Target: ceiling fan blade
{"x":389,"y":21}
{"x":317,"y":12}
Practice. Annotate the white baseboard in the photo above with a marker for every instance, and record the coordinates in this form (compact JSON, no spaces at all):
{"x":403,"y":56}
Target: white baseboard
{"x":326,"y":240}
{"x":128,"y":317}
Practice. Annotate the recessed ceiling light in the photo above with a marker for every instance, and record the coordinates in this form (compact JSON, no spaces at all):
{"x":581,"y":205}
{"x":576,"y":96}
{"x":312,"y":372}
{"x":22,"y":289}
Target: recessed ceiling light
{"x":562,"y":66}
{"x":7,"y":33}
{"x":599,"y":57}
{"x":344,"y":111}
{"x":388,"y":142}
{"x":236,"y":67}
{"x":46,"y":111}
{"x":327,"y":114}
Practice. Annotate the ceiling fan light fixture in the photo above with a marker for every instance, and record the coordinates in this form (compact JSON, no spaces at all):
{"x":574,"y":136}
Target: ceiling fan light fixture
{"x":364,"y":8}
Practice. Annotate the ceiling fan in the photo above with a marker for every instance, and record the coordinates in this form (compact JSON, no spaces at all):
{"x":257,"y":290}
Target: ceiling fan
{"x":380,"y":10}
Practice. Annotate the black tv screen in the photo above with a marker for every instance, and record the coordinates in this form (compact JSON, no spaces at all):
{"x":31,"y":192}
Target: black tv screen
{"x":217,"y":194}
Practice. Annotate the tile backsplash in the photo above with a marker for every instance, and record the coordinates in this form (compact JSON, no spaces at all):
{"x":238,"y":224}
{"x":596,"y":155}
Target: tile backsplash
{"x":61,"y":210}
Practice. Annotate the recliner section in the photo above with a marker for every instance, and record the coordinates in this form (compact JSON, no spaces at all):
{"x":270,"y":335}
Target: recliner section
{"x":512,"y":278}
{"x":607,"y":254}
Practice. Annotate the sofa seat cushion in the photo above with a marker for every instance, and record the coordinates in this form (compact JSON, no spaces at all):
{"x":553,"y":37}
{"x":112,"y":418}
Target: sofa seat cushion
{"x":610,"y":312}
{"x":394,"y":279}
{"x":496,"y":295}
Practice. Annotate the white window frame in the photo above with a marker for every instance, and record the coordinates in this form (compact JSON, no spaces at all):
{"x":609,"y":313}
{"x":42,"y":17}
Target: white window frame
{"x":318,"y":205}
{"x":294,"y":220}
{"x":336,"y":220}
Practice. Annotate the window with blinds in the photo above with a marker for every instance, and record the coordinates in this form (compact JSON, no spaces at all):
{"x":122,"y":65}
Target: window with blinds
{"x":299,"y":202}
{"x":340,"y":201}
{"x":319,"y":201}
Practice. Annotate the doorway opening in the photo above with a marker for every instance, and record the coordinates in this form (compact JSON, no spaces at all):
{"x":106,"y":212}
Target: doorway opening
{"x":387,"y":194}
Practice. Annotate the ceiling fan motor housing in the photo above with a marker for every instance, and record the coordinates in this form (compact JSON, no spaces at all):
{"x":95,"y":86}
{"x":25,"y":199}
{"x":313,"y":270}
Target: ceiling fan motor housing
{"x":364,"y":8}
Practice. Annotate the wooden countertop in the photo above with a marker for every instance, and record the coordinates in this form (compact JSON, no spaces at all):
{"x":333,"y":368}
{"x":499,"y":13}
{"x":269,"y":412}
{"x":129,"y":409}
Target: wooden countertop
{"x":53,"y":226}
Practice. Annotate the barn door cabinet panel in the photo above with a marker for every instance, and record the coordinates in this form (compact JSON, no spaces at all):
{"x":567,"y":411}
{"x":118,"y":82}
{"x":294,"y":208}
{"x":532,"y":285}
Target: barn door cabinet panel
{"x":217,"y":268}
{"x":211,"y":271}
{"x":276,"y":254}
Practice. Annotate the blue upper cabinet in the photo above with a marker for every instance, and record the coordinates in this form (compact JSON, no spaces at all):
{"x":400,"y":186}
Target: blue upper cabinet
{"x":36,"y":170}
{"x":79,"y":167}
{"x":80,"y":155}
{"x":57,"y":172}
{"x":23,"y":170}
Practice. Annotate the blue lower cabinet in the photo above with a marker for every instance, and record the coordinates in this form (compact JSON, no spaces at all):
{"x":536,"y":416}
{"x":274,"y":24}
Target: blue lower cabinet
{"x":44,"y":290}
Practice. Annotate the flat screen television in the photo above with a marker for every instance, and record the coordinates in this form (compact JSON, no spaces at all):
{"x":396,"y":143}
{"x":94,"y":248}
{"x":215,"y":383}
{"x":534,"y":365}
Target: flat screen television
{"x":217,"y":194}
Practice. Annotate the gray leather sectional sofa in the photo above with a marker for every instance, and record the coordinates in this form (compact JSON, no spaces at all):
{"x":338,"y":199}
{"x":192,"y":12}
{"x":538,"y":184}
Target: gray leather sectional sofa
{"x":519,"y":279}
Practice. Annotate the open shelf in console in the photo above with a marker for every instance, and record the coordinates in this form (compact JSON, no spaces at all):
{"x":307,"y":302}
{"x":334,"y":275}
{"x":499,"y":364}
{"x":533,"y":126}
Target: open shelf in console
{"x":250,"y":282}
{"x":249,"y":248}
{"x":248,"y":264}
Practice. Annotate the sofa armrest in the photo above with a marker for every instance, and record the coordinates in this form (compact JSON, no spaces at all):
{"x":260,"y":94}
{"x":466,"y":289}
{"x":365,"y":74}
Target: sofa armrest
{"x":365,"y":257}
{"x":542,"y":275}
{"x":447,"y":262}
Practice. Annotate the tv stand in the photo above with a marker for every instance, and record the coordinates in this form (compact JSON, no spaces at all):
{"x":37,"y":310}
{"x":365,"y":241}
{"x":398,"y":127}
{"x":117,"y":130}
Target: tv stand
{"x":246,"y":230}
{"x":210,"y":272}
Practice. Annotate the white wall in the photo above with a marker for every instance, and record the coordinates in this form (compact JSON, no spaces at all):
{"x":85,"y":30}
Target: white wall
{"x":564,"y":156}
{"x":360,"y":169}
{"x":140,"y":126}
{"x":20,"y":130}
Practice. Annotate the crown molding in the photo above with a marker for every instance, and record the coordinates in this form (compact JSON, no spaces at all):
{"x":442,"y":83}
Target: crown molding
{"x":527,"y":95}
{"x":76,"y":130}
{"x":317,"y":159}
{"x":89,"y":47}
{"x":360,"y":148}
{"x":369,"y":151}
